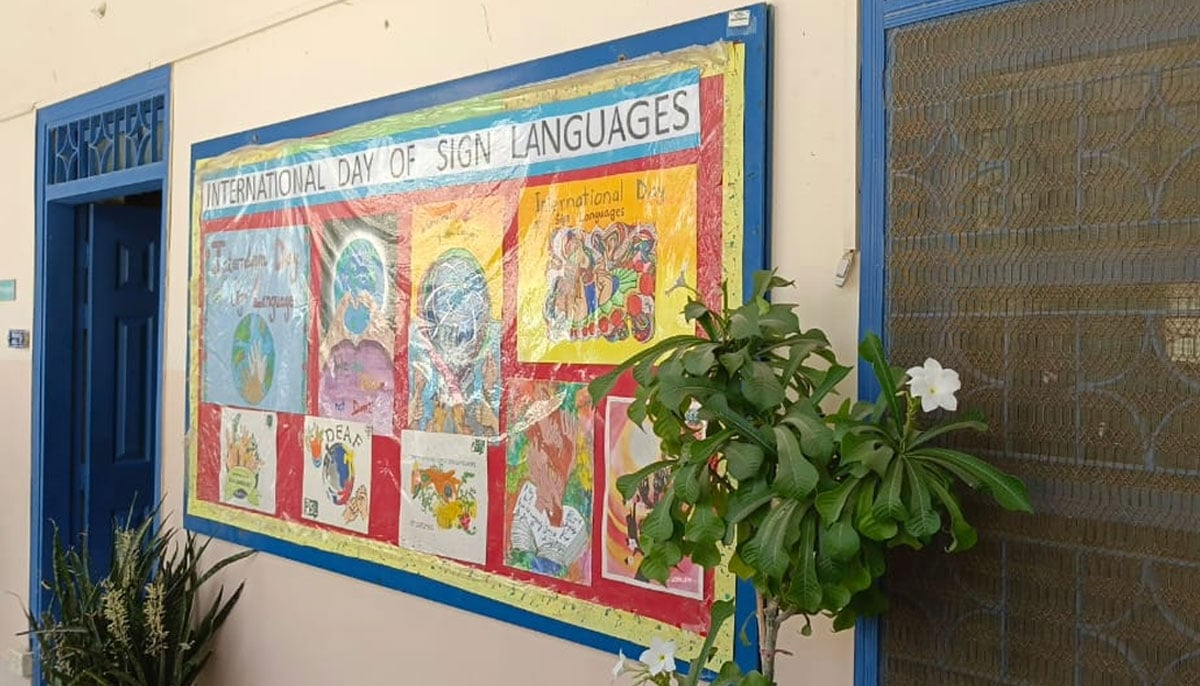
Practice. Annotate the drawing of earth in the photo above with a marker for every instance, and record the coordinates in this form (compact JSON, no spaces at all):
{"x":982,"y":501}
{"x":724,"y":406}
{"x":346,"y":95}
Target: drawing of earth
{"x":337,"y":469}
{"x":359,"y":271}
{"x":253,"y":358}
{"x":454,"y":307}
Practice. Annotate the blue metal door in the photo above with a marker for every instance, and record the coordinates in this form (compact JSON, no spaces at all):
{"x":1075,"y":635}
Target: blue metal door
{"x":117,"y":367}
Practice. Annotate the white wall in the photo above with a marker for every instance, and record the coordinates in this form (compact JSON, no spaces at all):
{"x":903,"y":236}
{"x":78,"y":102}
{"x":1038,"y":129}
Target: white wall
{"x":244,"y":63}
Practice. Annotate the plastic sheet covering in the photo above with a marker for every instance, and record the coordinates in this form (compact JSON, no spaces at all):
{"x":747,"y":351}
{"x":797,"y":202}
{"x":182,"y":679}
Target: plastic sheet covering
{"x":394,"y":325}
{"x":1044,"y":229}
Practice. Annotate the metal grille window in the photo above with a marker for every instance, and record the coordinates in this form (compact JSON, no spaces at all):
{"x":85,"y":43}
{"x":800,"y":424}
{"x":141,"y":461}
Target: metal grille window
{"x":1043,"y":238}
{"x":121,"y":138}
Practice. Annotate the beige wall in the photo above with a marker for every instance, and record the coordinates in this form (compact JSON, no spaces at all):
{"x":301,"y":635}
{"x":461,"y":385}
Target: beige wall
{"x":244,"y":63}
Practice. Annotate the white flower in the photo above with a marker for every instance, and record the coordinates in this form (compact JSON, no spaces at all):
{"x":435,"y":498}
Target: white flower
{"x":934,"y":386}
{"x":659,"y":658}
{"x":619,"y":668}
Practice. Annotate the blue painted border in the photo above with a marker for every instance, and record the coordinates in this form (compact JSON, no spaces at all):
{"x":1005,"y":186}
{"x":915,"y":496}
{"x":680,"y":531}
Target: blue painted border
{"x":876,"y":17}
{"x":756,"y":213}
{"x":55,"y":204}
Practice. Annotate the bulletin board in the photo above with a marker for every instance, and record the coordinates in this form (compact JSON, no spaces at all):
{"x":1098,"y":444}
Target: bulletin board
{"x":396,"y":307}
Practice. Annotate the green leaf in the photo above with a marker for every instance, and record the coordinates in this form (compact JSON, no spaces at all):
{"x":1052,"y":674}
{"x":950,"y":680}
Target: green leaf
{"x":834,"y":597}
{"x":706,"y":555}
{"x":857,"y":577}
{"x":699,"y":360}
{"x":841,"y":541}
{"x":687,"y":483}
{"x":694,"y":310}
{"x":889,"y":504}
{"x":767,"y":550}
{"x":963,"y":536}
{"x":833,"y":376}
{"x":780,"y":319}
{"x":972,"y":423}
{"x":805,"y":591}
{"x":658,"y":525}
{"x":654,"y":569}
{"x":1007,"y":490}
{"x":830,"y":504}
{"x":876,"y":560}
{"x":866,"y":522}
{"x":720,"y":613}
{"x":740,"y":567}
{"x":922,"y":520}
{"x":734,"y":361}
{"x":766,"y":279}
{"x":846,"y":619}
{"x":730,"y":675}
{"x":698,"y":452}
{"x":867,"y":451}
{"x":704,"y":526}
{"x":743,"y":460}
{"x":628,"y":484}
{"x":743,"y":323}
{"x":871,"y":350}
{"x":761,"y":387}
{"x":816,"y":438}
{"x":675,"y":388}
{"x":718,"y":406}
{"x":795,"y":477}
{"x":755,"y":679}
{"x":669,"y":552}
{"x":923,"y":524}
{"x":797,"y":353}
{"x":603,"y":385}
{"x":747,"y":499}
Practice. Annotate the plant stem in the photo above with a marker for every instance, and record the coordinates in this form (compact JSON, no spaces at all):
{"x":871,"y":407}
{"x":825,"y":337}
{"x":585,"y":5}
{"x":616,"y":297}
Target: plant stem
{"x":768,"y":627}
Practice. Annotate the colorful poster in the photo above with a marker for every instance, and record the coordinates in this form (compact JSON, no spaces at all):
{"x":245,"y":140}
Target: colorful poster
{"x":248,"y":459}
{"x":358,"y":341}
{"x":606,"y":265}
{"x":444,"y":509}
{"x":454,"y":330}
{"x":337,"y":473}
{"x":256,"y":304}
{"x":629,"y":447}
{"x":548,"y":484}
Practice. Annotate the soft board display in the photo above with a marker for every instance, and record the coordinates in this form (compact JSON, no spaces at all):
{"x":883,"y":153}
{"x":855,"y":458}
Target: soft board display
{"x":394,"y":324}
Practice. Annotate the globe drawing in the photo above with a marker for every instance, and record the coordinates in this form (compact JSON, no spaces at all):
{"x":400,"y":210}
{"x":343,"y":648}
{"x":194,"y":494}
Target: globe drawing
{"x":454,"y":307}
{"x":253,"y":358}
{"x":337,"y":468}
{"x":358,"y":272}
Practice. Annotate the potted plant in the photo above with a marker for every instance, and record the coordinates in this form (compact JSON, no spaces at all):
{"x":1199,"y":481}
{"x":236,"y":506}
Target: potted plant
{"x":798,"y":495}
{"x":143,"y":623}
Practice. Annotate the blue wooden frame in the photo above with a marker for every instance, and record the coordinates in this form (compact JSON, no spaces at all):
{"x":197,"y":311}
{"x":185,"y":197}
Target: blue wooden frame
{"x":876,"y":17}
{"x":54,"y":205}
{"x":755,"y":35}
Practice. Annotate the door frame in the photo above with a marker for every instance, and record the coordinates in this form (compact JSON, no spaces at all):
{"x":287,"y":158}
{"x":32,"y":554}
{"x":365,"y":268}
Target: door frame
{"x":876,"y":18}
{"x":55,"y":202}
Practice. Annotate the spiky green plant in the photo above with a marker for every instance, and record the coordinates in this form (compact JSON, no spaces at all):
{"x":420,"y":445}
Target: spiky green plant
{"x":144,"y":623}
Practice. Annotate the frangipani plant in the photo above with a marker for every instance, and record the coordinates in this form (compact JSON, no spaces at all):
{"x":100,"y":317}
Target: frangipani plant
{"x":804,"y":496}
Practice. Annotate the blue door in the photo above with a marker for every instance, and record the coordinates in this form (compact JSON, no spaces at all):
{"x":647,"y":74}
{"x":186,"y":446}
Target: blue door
{"x":116,"y":370}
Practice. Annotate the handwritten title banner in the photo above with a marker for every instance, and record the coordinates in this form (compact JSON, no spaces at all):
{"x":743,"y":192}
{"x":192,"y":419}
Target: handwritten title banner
{"x":517,"y":141}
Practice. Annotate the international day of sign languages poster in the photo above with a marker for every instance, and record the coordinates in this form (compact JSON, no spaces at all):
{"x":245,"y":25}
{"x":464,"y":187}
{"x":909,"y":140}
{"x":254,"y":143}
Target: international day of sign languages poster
{"x":548,"y":484}
{"x":357,"y":363}
{"x":337,"y":473}
{"x":444,"y":505}
{"x":454,"y":330}
{"x":248,"y":458}
{"x":629,"y":447}
{"x":256,"y":309}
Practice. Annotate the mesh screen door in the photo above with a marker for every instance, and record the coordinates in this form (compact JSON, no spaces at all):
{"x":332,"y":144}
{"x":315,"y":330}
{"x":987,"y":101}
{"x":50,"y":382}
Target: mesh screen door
{"x":1044,"y":239}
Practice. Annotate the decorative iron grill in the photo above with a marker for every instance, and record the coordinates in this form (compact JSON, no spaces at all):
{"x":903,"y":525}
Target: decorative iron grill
{"x":1044,"y":239}
{"x":121,"y":138}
